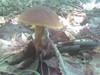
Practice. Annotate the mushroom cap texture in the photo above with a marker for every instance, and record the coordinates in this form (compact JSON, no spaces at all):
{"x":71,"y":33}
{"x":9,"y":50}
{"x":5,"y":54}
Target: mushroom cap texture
{"x":40,"y":16}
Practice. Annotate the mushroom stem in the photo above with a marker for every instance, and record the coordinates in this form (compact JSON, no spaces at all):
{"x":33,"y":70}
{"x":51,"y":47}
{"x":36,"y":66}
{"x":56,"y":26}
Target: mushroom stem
{"x":39,"y":30}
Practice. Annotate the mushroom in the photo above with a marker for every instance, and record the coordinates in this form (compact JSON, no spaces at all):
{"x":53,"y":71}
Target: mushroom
{"x":42,"y":17}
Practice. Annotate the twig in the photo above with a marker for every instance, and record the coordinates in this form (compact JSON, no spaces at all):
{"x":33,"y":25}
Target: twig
{"x":65,"y":70}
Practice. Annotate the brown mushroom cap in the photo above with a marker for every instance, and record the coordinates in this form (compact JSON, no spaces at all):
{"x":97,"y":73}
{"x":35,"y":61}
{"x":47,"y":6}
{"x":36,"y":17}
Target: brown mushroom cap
{"x":40,"y":16}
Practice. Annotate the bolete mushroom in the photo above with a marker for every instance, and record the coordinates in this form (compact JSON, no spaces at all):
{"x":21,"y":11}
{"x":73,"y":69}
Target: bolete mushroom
{"x":41,"y":17}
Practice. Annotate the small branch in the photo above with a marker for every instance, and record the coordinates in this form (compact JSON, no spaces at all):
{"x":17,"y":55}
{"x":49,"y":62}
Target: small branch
{"x":65,"y":70}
